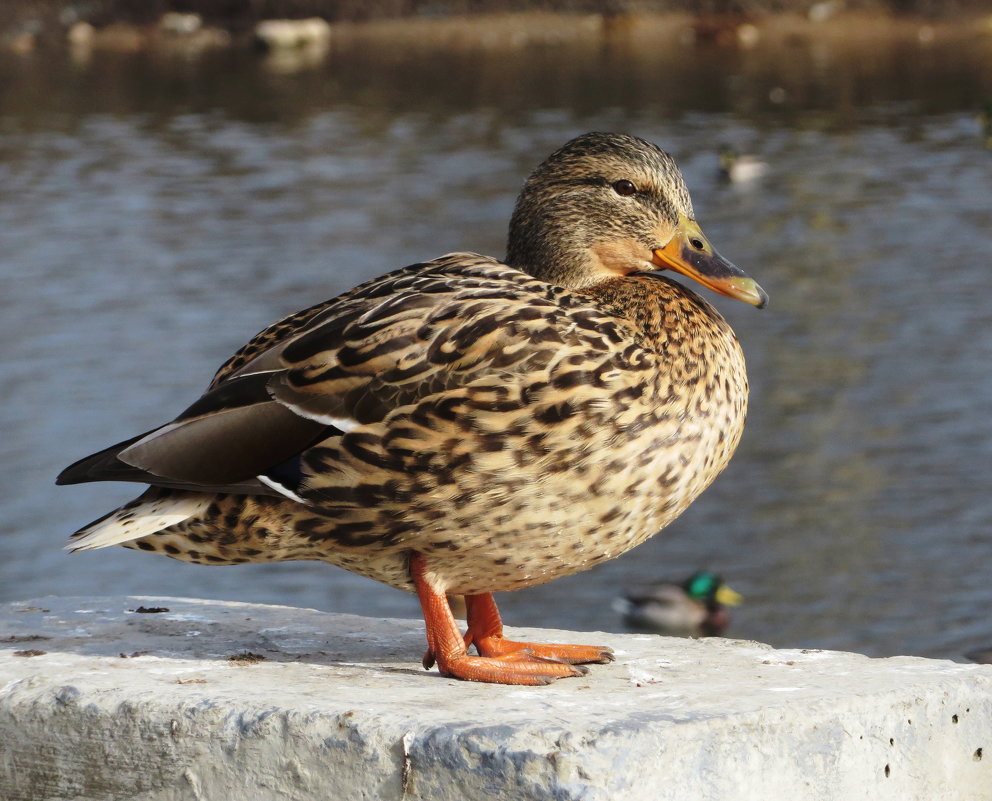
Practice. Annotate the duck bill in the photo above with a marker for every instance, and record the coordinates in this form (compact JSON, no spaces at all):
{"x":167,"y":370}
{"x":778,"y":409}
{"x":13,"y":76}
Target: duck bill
{"x":688,"y":252}
{"x":728,"y":597}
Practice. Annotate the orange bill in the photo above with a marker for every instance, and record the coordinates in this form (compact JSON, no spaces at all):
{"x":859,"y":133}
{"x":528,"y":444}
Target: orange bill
{"x":688,"y":252}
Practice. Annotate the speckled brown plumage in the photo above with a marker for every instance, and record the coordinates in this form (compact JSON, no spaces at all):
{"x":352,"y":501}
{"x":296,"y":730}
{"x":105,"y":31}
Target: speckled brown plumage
{"x":500,"y":426}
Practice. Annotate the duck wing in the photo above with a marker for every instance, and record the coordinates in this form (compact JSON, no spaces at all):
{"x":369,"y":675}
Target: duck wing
{"x":422,"y":332}
{"x":222,"y":442}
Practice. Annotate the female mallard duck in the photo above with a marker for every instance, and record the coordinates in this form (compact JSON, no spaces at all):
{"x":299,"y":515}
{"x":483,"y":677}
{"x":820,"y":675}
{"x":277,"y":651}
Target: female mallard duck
{"x":696,"y":607}
{"x":467,"y":425}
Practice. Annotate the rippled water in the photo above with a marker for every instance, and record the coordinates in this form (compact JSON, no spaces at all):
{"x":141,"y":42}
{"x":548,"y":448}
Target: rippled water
{"x":155,"y":213}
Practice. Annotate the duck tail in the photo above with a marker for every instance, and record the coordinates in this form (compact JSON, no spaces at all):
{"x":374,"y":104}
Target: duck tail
{"x":157,"y":509}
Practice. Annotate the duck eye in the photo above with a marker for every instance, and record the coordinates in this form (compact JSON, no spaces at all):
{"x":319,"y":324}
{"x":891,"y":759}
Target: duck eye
{"x":696,"y":243}
{"x":625,"y":188}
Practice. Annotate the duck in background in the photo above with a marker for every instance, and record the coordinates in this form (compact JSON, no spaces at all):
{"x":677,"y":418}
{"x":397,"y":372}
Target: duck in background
{"x":738,"y":168}
{"x":696,"y":608}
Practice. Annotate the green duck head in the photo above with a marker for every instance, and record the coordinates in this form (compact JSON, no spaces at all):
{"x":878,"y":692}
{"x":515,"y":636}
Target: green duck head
{"x":708,"y":588}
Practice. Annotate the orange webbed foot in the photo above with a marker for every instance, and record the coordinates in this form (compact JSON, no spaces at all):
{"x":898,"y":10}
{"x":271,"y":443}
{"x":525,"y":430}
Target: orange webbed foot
{"x":500,"y":661}
{"x":500,"y":647}
{"x":517,"y":668}
{"x":485,"y":630}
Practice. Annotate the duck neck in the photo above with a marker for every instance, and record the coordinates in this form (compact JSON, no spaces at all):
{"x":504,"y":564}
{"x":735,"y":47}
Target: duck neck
{"x":565,"y":269}
{"x":551,"y":244}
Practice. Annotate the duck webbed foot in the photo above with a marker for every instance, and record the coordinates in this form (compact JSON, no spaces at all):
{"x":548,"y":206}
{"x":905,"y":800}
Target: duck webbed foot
{"x":485,"y":631}
{"x":500,"y":661}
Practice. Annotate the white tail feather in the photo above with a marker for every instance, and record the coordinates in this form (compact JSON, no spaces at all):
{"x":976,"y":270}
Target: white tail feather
{"x":138,"y":519}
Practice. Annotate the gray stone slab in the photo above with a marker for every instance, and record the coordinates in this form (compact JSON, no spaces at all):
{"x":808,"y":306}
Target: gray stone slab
{"x":129,"y":705}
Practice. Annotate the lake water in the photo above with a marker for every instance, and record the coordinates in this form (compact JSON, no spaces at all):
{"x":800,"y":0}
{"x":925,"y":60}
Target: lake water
{"x":157,"y":211}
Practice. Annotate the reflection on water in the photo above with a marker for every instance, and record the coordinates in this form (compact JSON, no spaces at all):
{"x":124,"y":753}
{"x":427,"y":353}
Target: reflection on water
{"x":155,"y":214}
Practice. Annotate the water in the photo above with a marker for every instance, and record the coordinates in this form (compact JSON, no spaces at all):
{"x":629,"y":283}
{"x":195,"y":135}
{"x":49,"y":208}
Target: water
{"x":155,"y":212}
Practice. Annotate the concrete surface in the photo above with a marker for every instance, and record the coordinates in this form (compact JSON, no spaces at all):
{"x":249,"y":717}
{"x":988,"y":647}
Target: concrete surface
{"x":99,"y":702}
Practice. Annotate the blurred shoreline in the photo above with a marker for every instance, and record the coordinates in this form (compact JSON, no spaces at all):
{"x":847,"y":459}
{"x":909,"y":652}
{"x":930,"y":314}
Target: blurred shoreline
{"x":33,"y":26}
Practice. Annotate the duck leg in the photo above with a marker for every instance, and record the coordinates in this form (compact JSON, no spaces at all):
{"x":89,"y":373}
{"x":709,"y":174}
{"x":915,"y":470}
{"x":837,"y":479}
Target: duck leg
{"x":446,"y":645}
{"x":485,"y":630}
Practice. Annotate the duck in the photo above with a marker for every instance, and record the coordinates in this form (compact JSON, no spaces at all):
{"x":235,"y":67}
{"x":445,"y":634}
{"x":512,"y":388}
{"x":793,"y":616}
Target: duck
{"x":740,"y":168}
{"x":468,"y":425}
{"x":697,"y":607}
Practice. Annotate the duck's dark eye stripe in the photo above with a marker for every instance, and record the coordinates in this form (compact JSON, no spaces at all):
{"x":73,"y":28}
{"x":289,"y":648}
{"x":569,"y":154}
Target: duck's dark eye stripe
{"x":621,"y":187}
{"x":590,"y":182}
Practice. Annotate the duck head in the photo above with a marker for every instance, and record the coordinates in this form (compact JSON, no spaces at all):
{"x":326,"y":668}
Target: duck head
{"x":709,"y":588}
{"x":606,"y":205}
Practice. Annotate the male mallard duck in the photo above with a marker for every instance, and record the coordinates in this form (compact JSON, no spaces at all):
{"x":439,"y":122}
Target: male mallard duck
{"x":467,"y":425}
{"x":696,"y":607}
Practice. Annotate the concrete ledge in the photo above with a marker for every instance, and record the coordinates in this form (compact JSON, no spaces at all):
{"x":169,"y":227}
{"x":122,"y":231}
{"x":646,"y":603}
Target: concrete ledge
{"x":152,"y":706}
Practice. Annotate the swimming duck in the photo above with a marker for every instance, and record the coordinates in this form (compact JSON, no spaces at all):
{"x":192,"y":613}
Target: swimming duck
{"x":740,"y":168}
{"x":468,"y":425}
{"x":696,"y":607}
